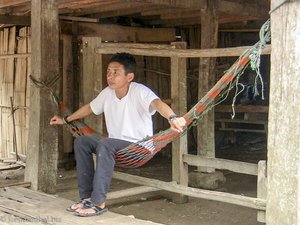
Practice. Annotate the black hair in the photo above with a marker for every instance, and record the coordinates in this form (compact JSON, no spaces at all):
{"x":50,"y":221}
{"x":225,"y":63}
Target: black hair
{"x":125,"y":59}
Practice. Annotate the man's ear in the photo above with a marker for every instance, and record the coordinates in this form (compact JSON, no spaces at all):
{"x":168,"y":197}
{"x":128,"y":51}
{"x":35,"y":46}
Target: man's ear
{"x":130,"y":76}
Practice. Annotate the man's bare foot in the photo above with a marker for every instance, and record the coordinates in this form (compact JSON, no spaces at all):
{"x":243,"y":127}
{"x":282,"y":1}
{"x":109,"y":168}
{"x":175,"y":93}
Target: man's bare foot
{"x":91,"y":209}
{"x":77,"y":205}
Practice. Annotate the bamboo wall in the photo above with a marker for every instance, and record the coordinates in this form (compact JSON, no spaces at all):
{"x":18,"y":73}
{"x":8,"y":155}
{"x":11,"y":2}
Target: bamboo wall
{"x":14,"y":86}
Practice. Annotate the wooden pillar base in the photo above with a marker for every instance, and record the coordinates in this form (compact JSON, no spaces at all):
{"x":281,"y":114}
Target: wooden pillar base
{"x":179,"y":105}
{"x":210,"y":181}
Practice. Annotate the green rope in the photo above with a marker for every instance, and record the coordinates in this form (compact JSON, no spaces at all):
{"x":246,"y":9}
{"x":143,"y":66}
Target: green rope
{"x":255,"y":60}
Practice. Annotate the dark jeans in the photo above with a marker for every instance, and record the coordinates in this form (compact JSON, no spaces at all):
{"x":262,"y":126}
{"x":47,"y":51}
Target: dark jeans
{"x":94,"y":182}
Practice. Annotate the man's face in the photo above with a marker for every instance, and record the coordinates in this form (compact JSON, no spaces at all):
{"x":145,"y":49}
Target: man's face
{"x":116,"y":76}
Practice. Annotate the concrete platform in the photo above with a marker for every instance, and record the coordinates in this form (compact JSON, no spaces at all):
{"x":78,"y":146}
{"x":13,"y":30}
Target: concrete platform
{"x":23,"y":206}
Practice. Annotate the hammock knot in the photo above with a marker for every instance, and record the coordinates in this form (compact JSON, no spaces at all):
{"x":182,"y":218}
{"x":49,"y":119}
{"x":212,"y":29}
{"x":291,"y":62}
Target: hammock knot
{"x":195,"y":121}
{"x":264,"y":38}
{"x":42,"y":84}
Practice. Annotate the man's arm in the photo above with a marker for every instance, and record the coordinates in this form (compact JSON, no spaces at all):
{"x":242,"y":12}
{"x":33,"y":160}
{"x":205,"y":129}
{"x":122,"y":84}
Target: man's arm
{"x":177,"y":123}
{"x":79,"y":114}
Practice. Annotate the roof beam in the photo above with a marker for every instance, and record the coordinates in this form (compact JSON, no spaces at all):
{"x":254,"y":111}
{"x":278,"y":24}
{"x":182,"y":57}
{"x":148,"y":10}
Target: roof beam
{"x":96,"y":8}
{"x":124,"y":12}
{"x":224,"y":7}
{"x":17,"y":10}
{"x":197,"y":13}
{"x":9,"y":3}
{"x":240,"y":8}
{"x":75,"y":4}
{"x":196,"y":21}
{"x":166,"y":10}
{"x":198,"y":4}
{"x":181,"y":14}
{"x":79,"y":19}
{"x":15,"y":20}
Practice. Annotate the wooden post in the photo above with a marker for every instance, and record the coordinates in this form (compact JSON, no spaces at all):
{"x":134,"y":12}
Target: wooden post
{"x":68,"y":86}
{"x":75,"y":61}
{"x":262,"y":188}
{"x":91,"y":82}
{"x":284,"y":109}
{"x":179,"y":105}
{"x":209,"y":39}
{"x":42,"y":152}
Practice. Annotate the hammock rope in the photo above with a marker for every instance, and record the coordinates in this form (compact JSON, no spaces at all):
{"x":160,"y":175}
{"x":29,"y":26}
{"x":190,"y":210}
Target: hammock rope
{"x":139,"y":153}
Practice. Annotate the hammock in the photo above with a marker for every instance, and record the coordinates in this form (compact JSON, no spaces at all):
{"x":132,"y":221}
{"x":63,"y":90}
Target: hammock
{"x":139,"y":153}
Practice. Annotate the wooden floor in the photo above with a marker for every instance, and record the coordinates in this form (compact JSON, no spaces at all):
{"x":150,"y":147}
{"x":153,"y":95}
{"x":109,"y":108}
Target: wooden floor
{"x":23,"y":206}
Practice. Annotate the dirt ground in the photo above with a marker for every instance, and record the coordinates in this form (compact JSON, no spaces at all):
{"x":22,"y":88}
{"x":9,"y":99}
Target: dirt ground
{"x":158,"y":208}
{"x":161,"y":210}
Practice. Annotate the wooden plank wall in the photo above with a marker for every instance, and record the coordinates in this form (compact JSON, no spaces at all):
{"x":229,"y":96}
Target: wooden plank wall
{"x":14,"y":84}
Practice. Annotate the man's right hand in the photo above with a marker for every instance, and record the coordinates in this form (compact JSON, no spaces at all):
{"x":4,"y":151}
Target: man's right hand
{"x":57,"y":120}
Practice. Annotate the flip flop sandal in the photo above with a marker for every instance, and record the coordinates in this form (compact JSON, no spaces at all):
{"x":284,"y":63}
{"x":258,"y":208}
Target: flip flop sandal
{"x":89,"y":205}
{"x":81,"y":201}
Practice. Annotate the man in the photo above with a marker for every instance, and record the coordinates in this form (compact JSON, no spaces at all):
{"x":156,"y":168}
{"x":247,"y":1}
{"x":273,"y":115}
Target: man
{"x":128,"y":108}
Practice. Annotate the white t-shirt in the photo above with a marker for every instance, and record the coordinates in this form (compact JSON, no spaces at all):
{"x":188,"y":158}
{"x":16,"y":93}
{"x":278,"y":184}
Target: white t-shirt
{"x":129,"y":118}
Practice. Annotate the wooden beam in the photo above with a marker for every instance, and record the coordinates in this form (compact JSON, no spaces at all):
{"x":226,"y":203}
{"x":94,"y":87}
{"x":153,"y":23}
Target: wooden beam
{"x":242,"y":108}
{"x":222,"y":164}
{"x":42,"y":151}
{"x":165,"y":9}
{"x":15,"y":56}
{"x":195,"y":14}
{"x":243,"y":130}
{"x":240,"y":30}
{"x":131,"y":192}
{"x":10,"y":167}
{"x":15,"y":20}
{"x":10,"y":3}
{"x":262,"y":188}
{"x":228,"y":8}
{"x":183,"y":53}
{"x":194,"y":20}
{"x":137,"y":45}
{"x":21,"y":10}
{"x":195,"y":4}
{"x":98,"y":7}
{"x":91,"y":80}
{"x":181,"y":14}
{"x":242,"y":25}
{"x":209,"y":39}
{"x":79,"y":19}
{"x":179,"y":105}
{"x":284,"y":124}
{"x":75,"y":4}
{"x":68,"y":78}
{"x":129,"y":34}
{"x":75,"y":65}
{"x":19,"y":184}
{"x":241,"y":8}
{"x":138,"y":9}
{"x":245,"y":201}
{"x":242,"y":121}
